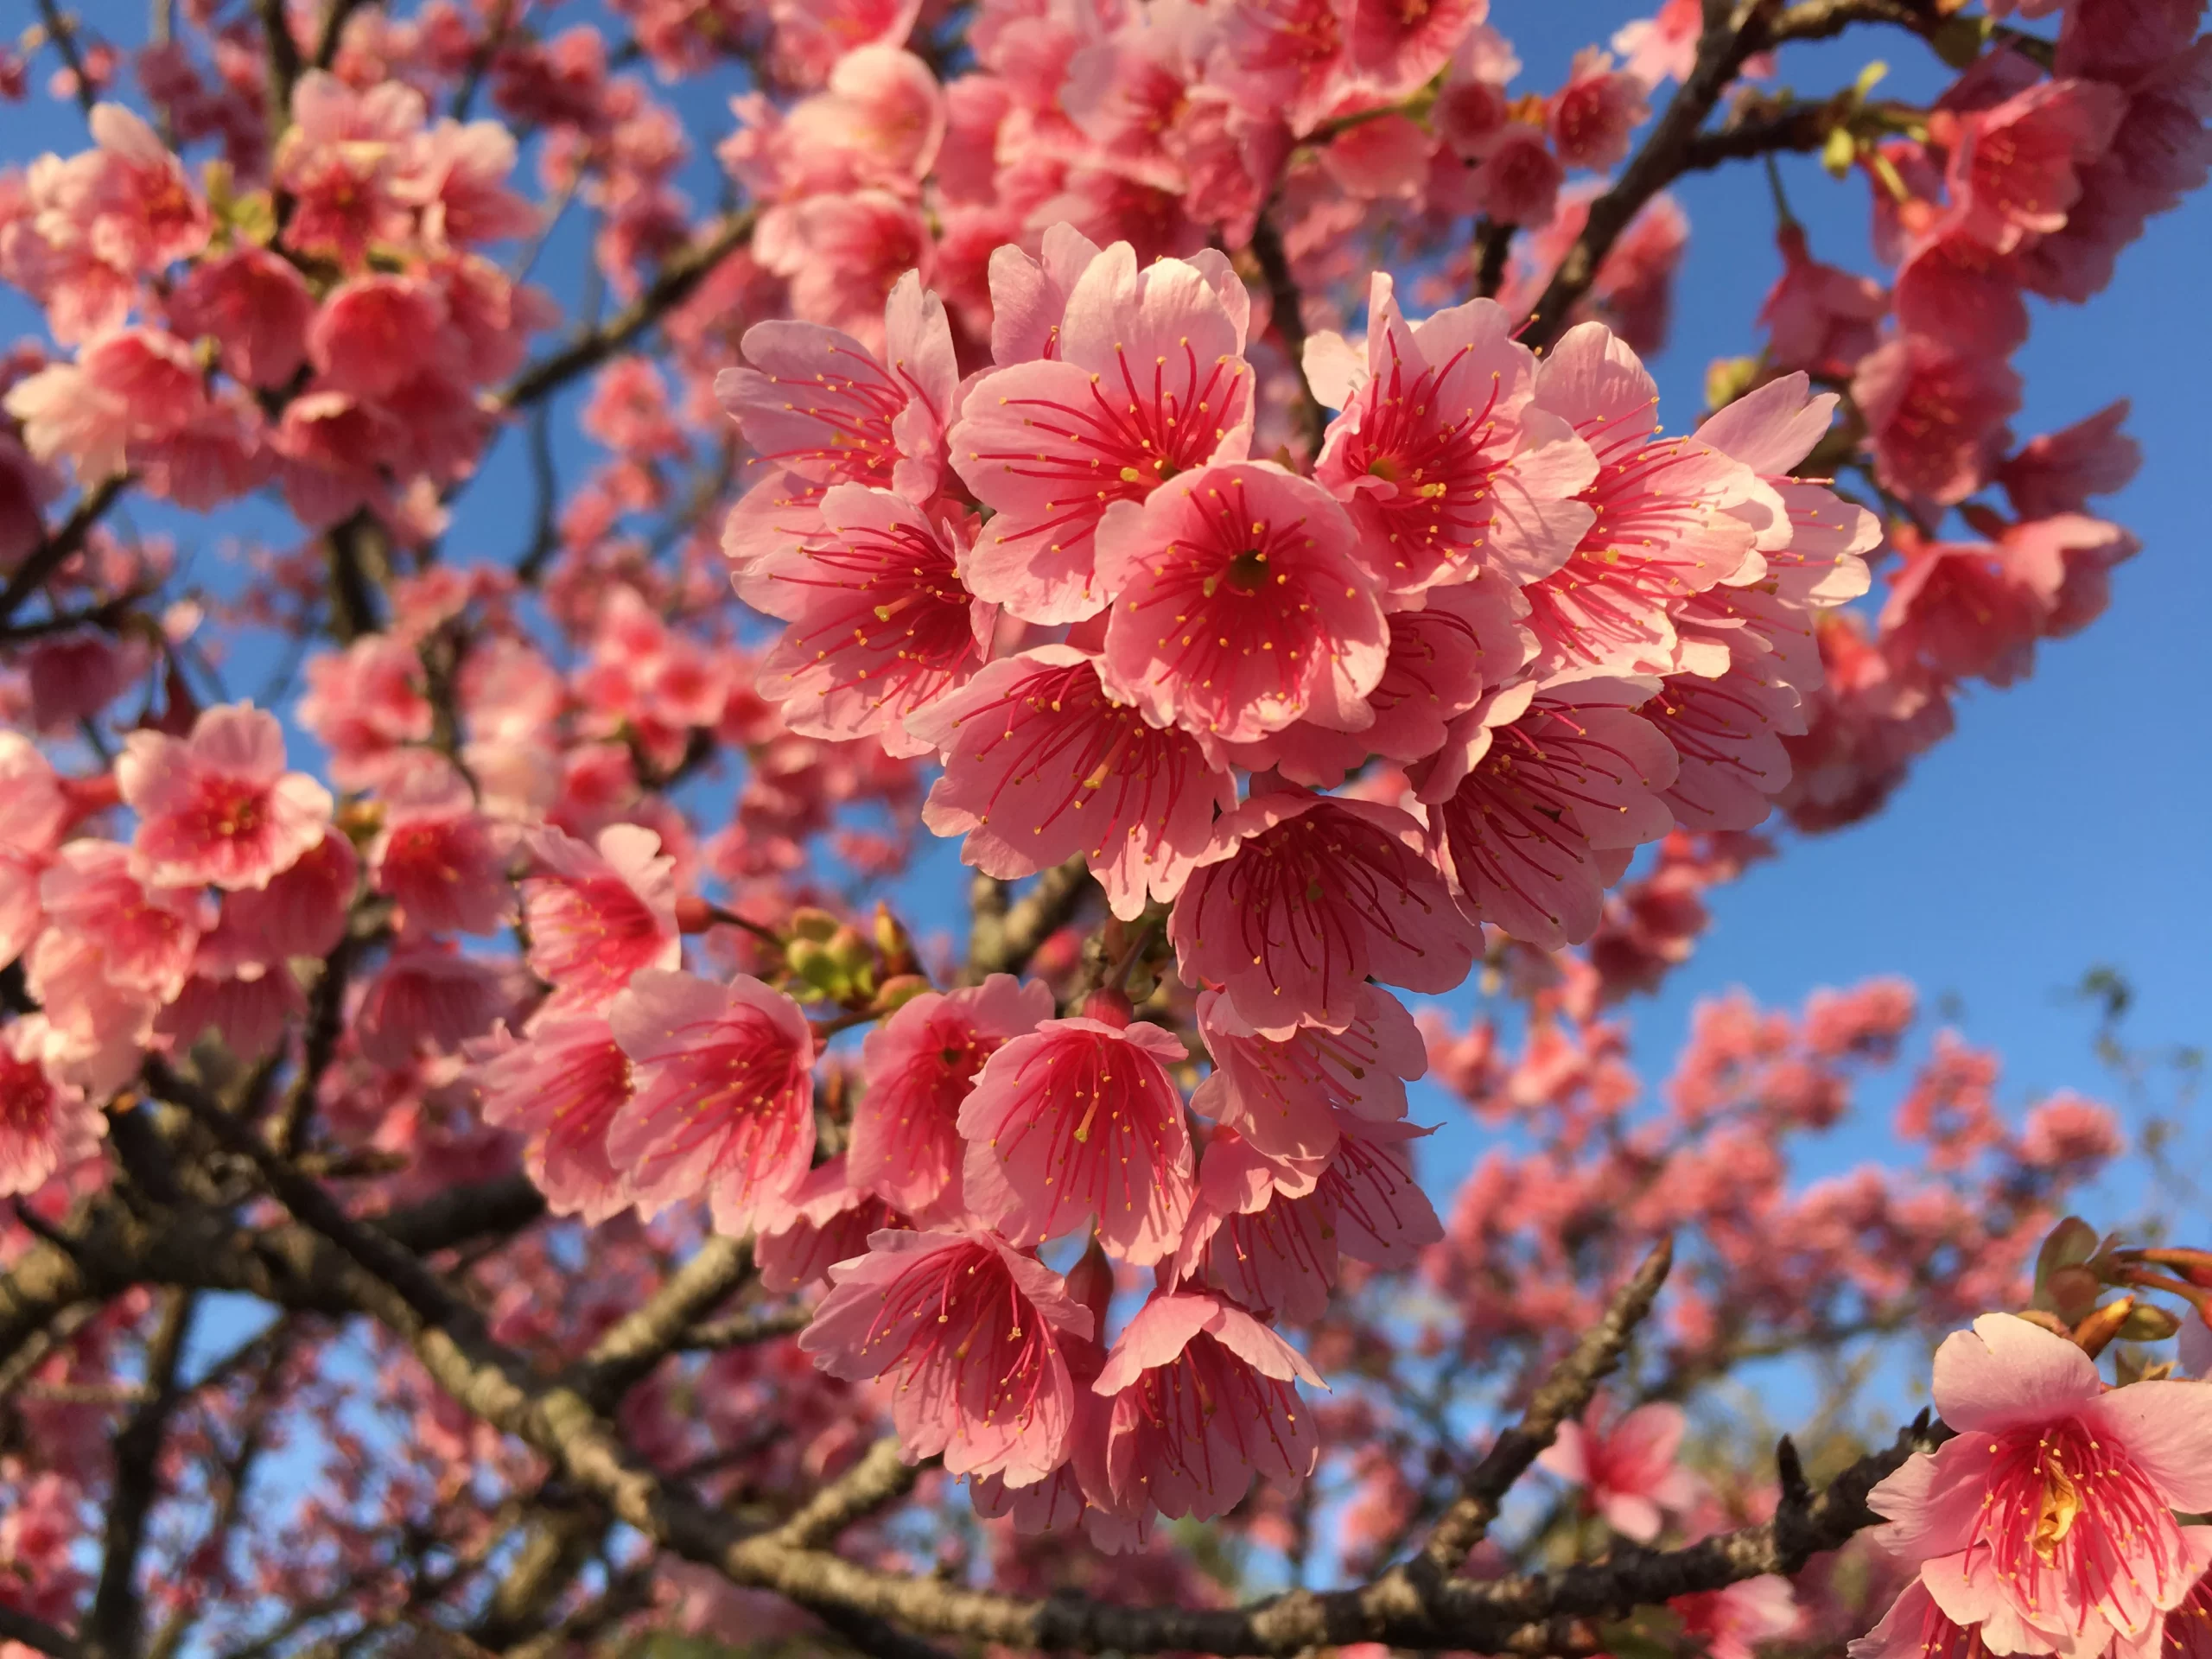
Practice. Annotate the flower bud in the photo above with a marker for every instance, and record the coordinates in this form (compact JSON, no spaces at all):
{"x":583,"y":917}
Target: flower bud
{"x":897,"y":991}
{"x":693,"y":914}
{"x":1108,"y":1008}
{"x":2094,"y":1334}
{"x":810,"y":959}
{"x":2148,"y":1322}
{"x":2069,"y":1244}
{"x":809,"y":922}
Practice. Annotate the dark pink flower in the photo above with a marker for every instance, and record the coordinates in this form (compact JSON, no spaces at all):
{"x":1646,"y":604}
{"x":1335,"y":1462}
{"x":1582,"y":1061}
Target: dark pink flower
{"x":428,"y":999}
{"x":374,"y":333}
{"x":597,"y":917}
{"x":33,"y":813}
{"x":1147,"y":382}
{"x":442,"y":862}
{"x":1397,"y":47}
{"x":1818,"y":317}
{"x":1519,"y":180}
{"x":1936,"y":419}
{"x":1205,"y":1398}
{"x":45,"y":1124}
{"x":1627,"y":1470}
{"x":2058,"y":472}
{"x":919,"y":1065}
{"x":255,"y":307}
{"x":722,"y":1107}
{"x":824,"y":1220}
{"x":1305,"y":898}
{"x":1078,"y":1122}
{"x":217,"y":807}
{"x":2012,"y":166}
{"x":1539,"y":801}
{"x":1446,"y":469}
{"x":302,"y":913}
{"x":1287,"y":1096}
{"x":880,"y":621}
{"x":1592,"y":116}
{"x":1040,"y":763}
{"x":1738,"y":1621}
{"x":1241,"y":605}
{"x":968,"y":1330}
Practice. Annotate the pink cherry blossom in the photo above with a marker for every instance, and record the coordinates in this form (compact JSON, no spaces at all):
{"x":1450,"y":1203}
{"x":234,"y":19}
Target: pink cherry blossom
{"x":1205,"y":1398}
{"x":1735,"y":1622}
{"x":1557,"y":793}
{"x":375,"y":333}
{"x":1626,"y":1471}
{"x":1447,"y":470}
{"x":1936,"y":419}
{"x":33,"y":813}
{"x":45,"y":1124}
{"x":218,"y":807}
{"x":1241,"y":605}
{"x":1398,"y":47}
{"x":1076,"y":1122}
{"x":340,"y":160}
{"x":1148,"y":382}
{"x":441,"y":860}
{"x":1590,"y":116}
{"x":301,"y":913}
{"x":880,"y":622}
{"x":255,"y":306}
{"x":1306,"y":897}
{"x":2058,"y":472}
{"x":969,"y":1331}
{"x":1519,"y":180}
{"x":1818,"y":317}
{"x":125,"y":387}
{"x":429,"y":1000}
{"x":2050,"y":1514}
{"x":822,"y":1221}
{"x":559,"y":1085}
{"x":598,"y":916}
{"x":919,"y":1065}
{"x":2012,"y":166}
{"x":365,"y":704}
{"x":722,"y":1102}
{"x":1285,"y":1096}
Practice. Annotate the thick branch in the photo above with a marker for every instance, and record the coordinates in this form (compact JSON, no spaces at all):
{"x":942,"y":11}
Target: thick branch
{"x":1285,"y":310}
{"x":743,"y":1330}
{"x":1561,"y":1395}
{"x":678,"y":277}
{"x":881,"y":1478}
{"x":628,"y":1352}
{"x":116,"y":1627}
{"x":1793,"y":127}
{"x":1006,"y":946}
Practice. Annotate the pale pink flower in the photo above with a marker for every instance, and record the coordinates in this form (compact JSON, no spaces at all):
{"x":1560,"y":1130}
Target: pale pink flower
{"x":1444,"y":464}
{"x":1029,"y":294}
{"x":1727,"y":733}
{"x":2050,"y":1515}
{"x":1519,"y":180}
{"x":1285,"y":57}
{"x":1304,"y":898}
{"x":1809,"y":551}
{"x":596,"y":916}
{"x":1673,"y":516}
{"x":1079,"y":1121}
{"x":879,"y":123}
{"x":340,"y":161}
{"x":440,"y":859}
{"x":33,"y":813}
{"x":722,"y":1107}
{"x":456,"y":176}
{"x":1285,"y":1095}
{"x":1590,"y":116}
{"x":559,"y":1085}
{"x":131,"y":197}
{"x":218,"y":807}
{"x":248,"y":1007}
{"x":1241,"y":605}
{"x":1626,"y":1471}
{"x":968,"y":1330}
{"x":918,"y":1066}
{"x":125,"y":387}
{"x":1397,"y":48}
{"x":1539,"y":802}
{"x":301,"y":913}
{"x":1042,"y":764}
{"x":812,"y":37}
{"x":880,"y":621}
{"x":365,"y":703}
{"x":1148,"y":382}
{"x":45,"y":1124}
{"x":1663,"y":47}
{"x":1205,"y":1398}
{"x":429,"y":1000}
{"x":844,"y":255}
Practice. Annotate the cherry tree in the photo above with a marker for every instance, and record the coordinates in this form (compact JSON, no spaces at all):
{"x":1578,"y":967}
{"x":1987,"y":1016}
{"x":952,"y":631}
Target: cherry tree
{"x":743,"y":923}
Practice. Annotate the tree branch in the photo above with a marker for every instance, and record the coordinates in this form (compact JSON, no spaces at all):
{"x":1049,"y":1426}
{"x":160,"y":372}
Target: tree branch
{"x":881,"y":1478}
{"x":629,"y":1350}
{"x":36,"y":1633}
{"x":62,"y":31}
{"x":47,"y":557}
{"x":678,"y":276}
{"x":1006,"y":947}
{"x":115,"y":1628}
{"x":1285,"y":311}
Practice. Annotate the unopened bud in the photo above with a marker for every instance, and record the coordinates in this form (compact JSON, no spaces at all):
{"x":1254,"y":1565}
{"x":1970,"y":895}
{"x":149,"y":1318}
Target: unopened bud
{"x":2069,"y":1244}
{"x":809,"y":922}
{"x":891,"y":939}
{"x":1840,"y":150}
{"x":2072,"y":1293}
{"x":1959,"y":40}
{"x":1727,"y":379}
{"x":897,"y":991}
{"x":2148,"y":1322}
{"x":810,"y":960}
{"x":1107,"y":1007}
{"x":850,"y":950}
{"x":693,"y":914}
{"x":2094,"y":1334}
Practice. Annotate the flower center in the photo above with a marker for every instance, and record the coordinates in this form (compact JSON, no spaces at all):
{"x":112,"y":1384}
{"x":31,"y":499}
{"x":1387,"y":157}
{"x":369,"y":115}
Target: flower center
{"x":2061,"y":1502}
{"x":1247,"y":571}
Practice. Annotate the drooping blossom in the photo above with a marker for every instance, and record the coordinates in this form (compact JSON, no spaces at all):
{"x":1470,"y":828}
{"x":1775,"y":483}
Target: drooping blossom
{"x":1627,"y":1469}
{"x":1304,"y":898}
{"x":217,"y":807}
{"x":968,"y":1329}
{"x":559,"y":1086}
{"x":1241,"y":605}
{"x":443,"y":862}
{"x":1206,"y":1399}
{"x":1540,"y":800}
{"x":880,"y":621}
{"x":1590,"y":116}
{"x":1446,"y":467}
{"x":722,"y":1101}
{"x":427,"y":999}
{"x":33,"y":812}
{"x":1040,"y":763}
{"x":596,"y":916}
{"x":1148,"y":382}
{"x":822,"y":1221}
{"x":1934,"y":418}
{"x":918,"y":1066}
{"x":1738,"y":1620}
{"x":1285,"y":1095}
{"x":2050,"y":1515}
{"x":1078,"y":1122}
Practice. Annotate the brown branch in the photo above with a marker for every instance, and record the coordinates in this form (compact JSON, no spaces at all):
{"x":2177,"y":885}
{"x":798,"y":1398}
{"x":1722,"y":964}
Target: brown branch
{"x":47,"y":557}
{"x":881,"y":1476}
{"x":1492,"y":242}
{"x":1286,"y":312}
{"x":284,"y":64}
{"x":1006,"y":947}
{"x":116,"y":1626}
{"x":36,"y":1633}
{"x":1562,"y":1394}
{"x":1799,"y":127}
{"x":333,"y":31}
{"x":1742,"y":30}
{"x":62,"y":31}
{"x":678,"y":276}
{"x":744,"y":1330}
{"x":626,"y":1354}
